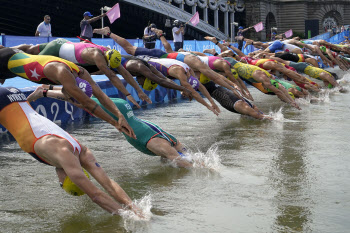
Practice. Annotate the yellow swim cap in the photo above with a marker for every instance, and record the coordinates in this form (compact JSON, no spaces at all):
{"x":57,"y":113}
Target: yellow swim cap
{"x":149,"y":85}
{"x":235,"y":74}
{"x":114,"y":58}
{"x":203,"y":79}
{"x":291,"y":94}
{"x":72,"y":188}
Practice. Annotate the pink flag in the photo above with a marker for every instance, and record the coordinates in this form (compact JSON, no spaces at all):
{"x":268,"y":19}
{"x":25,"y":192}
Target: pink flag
{"x":288,"y":33}
{"x":113,"y":13}
{"x":195,"y":19}
{"x":259,"y":27}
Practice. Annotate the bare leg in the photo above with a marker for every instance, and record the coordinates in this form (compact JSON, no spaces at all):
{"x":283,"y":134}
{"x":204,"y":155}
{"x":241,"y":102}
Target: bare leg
{"x":31,"y":49}
{"x":129,"y":48}
{"x":162,"y":148}
{"x":165,"y":43}
{"x":312,"y":61}
{"x":210,"y":51}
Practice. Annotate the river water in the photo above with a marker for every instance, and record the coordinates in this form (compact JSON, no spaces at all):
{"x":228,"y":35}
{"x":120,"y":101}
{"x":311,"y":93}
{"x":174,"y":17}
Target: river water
{"x":288,"y":175}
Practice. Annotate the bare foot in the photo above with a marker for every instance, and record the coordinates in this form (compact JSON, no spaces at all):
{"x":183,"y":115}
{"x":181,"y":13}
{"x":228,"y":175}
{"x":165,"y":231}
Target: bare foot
{"x":247,"y":42}
{"x":157,"y":31}
{"x":227,"y":53}
{"x":211,"y":51}
{"x":211,"y":38}
{"x":102,"y":31}
{"x":38,"y":93}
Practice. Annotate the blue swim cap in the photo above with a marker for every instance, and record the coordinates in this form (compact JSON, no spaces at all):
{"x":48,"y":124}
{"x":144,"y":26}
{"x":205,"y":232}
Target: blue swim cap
{"x":240,"y":27}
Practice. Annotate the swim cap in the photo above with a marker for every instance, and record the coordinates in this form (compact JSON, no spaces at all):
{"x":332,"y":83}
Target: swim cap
{"x":203,"y":79}
{"x":323,"y":48}
{"x":240,"y":27}
{"x":292,"y":95}
{"x":235,"y":74}
{"x":114,"y":58}
{"x":149,"y":85}
{"x":72,"y":188}
{"x":193,"y":81}
{"x":274,"y":82}
{"x":84,"y":86}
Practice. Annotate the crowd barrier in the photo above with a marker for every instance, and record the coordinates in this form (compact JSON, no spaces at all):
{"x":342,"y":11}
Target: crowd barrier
{"x":324,"y":36}
{"x":189,"y":45}
{"x":338,"y":38}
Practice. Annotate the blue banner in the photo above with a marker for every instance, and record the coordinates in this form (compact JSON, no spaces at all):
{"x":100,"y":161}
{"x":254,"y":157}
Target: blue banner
{"x":324,"y":36}
{"x":17,"y":40}
{"x":338,"y":38}
{"x":71,"y":39}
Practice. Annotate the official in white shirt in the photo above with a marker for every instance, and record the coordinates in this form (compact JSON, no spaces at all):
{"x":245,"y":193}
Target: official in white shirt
{"x":44,"y":28}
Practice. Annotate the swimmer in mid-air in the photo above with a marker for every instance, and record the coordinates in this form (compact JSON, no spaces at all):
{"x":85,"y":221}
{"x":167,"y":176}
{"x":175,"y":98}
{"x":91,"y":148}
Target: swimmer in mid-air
{"x":57,"y":71}
{"x":150,"y":138}
{"x":51,"y":145}
{"x":93,"y":58}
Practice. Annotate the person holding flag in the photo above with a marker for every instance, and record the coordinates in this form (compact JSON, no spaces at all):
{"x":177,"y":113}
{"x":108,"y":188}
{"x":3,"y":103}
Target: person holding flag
{"x":240,"y":36}
{"x":85,"y":25}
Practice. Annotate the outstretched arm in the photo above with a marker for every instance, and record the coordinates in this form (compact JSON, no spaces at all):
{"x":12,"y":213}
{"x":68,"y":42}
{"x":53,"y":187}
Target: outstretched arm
{"x":88,"y":161}
{"x":122,"y":125}
{"x":127,"y":76}
{"x":205,"y":92}
{"x":96,"y":18}
{"x":101,"y":63}
{"x":163,"y":81}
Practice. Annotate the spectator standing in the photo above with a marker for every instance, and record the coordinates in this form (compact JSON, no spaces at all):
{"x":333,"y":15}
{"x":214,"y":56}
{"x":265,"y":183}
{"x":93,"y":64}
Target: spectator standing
{"x":85,"y":25}
{"x":337,"y":30}
{"x":342,"y":28}
{"x":44,"y":28}
{"x":273,"y":36}
{"x":178,"y":35}
{"x":149,"y":37}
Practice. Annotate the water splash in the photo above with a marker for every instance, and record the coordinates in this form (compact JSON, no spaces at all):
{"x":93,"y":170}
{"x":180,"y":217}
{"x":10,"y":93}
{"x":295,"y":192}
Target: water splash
{"x":303,"y":101}
{"x":209,"y":160}
{"x":277,"y":116}
{"x":345,"y":80}
{"x":323,"y":95}
{"x":135,"y":223}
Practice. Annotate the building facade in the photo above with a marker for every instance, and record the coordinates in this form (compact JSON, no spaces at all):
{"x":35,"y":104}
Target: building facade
{"x":315,"y":16}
